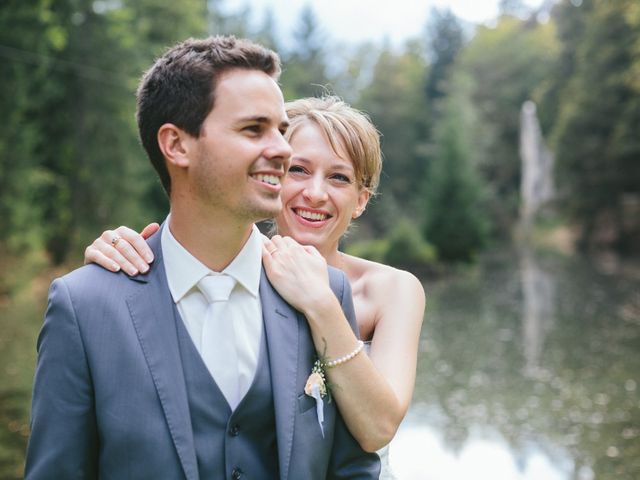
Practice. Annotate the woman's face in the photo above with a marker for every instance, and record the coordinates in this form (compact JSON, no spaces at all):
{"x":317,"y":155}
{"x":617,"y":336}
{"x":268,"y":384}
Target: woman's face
{"x":319,"y":193}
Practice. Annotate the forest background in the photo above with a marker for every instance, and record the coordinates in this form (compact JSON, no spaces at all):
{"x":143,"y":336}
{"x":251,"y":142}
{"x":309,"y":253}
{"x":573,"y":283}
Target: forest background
{"x":447,"y":104}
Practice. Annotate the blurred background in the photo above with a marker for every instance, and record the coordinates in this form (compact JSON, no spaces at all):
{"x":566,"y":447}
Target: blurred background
{"x":511,"y":187}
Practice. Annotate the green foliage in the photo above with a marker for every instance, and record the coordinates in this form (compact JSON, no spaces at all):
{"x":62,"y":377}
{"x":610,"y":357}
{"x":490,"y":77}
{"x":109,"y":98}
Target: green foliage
{"x":404,"y":248}
{"x":445,"y":42}
{"x":305,"y":71}
{"x":395,"y":101}
{"x":596,"y":131}
{"x":70,"y":163}
{"x":507,"y":63}
{"x":374,"y":250}
{"x":407,"y":248}
{"x":70,"y":158}
{"x":23,"y":50}
{"x":456,"y":222}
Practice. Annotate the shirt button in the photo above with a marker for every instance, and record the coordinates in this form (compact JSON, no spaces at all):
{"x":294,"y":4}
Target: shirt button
{"x":234,"y":431}
{"x":236,"y":474}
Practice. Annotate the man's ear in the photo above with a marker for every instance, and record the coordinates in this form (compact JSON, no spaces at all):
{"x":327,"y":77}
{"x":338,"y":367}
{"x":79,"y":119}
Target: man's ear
{"x":174,"y":144}
{"x":363,"y":199}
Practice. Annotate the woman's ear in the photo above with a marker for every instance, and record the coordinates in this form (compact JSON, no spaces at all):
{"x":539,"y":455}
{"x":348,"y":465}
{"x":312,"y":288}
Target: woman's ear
{"x":363,"y":199}
{"x":174,"y":144}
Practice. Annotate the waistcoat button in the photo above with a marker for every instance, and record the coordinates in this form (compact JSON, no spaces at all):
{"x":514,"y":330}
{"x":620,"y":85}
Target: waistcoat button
{"x":236,"y":474}
{"x":234,"y":431}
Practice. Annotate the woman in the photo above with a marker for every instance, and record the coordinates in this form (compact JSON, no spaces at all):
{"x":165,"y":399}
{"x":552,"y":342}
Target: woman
{"x":334,"y":170}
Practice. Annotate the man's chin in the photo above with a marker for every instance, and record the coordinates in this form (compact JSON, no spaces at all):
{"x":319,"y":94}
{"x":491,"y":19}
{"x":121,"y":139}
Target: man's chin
{"x":267,"y":213}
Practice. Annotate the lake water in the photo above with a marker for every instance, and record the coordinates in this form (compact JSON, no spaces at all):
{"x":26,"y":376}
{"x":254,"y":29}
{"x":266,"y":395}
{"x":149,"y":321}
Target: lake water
{"x":529,"y":369}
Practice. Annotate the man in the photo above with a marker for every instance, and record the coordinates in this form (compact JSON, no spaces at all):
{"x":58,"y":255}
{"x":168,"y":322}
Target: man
{"x":154,"y":376}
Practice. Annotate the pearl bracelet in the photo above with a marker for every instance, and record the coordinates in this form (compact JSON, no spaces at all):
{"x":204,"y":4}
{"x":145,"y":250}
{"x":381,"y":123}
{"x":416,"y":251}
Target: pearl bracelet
{"x":346,"y":358}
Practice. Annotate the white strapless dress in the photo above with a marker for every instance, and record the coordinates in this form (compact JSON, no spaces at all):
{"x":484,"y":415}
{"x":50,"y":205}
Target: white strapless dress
{"x":385,"y":467}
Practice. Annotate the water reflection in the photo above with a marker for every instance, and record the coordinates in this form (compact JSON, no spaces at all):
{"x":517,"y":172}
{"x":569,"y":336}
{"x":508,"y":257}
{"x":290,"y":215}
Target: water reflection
{"x":421,"y":452}
{"x":538,"y":304}
{"x":529,"y":369}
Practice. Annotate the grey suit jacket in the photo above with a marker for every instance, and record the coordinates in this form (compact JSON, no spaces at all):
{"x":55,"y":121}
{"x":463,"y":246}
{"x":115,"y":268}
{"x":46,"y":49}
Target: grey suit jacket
{"x":109,"y":398}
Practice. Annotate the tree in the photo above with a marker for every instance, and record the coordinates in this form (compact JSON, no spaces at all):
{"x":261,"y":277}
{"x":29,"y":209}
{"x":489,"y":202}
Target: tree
{"x":75,"y":164}
{"x":445,"y":39}
{"x":596,"y":133}
{"x":305,"y":72}
{"x":508,"y":65}
{"x":455,"y":221}
{"x":27,"y":37}
{"x":394,"y":98}
{"x":513,"y":8}
{"x":266,"y":32}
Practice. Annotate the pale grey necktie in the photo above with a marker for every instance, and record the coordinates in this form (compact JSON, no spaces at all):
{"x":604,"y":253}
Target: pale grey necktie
{"x":219,"y":350}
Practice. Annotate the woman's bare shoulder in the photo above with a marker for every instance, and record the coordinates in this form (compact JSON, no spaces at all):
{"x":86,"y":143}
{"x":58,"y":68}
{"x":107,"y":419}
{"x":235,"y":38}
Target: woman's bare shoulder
{"x":382,"y":280}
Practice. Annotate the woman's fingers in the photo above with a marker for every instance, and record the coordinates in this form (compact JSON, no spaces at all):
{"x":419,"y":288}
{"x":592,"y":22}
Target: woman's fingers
{"x":141,"y":252}
{"x":285,"y":243}
{"x":266,"y":257}
{"x":93,"y":255}
{"x":311,"y":250}
{"x":117,"y":246}
{"x":269,"y":246}
{"x":150,"y":230}
{"x":105,"y":255}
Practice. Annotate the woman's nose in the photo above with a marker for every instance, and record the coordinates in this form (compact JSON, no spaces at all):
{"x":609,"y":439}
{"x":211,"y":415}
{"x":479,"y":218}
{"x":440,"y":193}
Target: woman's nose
{"x":315,"y":191}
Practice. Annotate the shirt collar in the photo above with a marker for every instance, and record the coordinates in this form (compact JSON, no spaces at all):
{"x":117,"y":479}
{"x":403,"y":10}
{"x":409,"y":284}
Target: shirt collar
{"x":184,"y":271}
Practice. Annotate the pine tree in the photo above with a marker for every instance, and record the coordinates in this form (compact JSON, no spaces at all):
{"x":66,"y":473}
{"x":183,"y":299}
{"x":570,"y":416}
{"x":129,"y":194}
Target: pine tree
{"x":305,"y":72}
{"x":596,"y":134}
{"x":456,"y":223}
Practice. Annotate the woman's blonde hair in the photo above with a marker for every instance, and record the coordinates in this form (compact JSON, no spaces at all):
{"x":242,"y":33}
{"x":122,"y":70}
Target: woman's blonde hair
{"x":345,"y":127}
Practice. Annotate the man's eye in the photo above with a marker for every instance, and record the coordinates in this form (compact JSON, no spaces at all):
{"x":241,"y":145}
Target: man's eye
{"x":253,"y":128}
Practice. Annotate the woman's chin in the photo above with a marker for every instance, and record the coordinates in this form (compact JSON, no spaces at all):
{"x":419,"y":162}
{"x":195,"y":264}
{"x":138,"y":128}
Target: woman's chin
{"x":305,"y":237}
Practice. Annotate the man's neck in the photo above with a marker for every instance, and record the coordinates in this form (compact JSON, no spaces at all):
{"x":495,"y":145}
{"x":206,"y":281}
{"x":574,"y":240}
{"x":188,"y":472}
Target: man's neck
{"x":212,"y":239}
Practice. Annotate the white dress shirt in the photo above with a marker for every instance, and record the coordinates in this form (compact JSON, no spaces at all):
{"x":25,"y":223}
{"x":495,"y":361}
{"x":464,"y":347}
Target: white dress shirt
{"x":244,"y":309}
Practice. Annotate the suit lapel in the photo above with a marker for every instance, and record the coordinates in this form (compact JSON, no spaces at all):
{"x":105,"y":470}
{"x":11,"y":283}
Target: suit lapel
{"x":282,"y":329}
{"x":153,"y":316}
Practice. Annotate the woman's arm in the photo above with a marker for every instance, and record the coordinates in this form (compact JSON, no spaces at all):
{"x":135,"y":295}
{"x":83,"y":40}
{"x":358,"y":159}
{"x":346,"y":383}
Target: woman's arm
{"x":372,"y":392}
{"x":400,"y":301}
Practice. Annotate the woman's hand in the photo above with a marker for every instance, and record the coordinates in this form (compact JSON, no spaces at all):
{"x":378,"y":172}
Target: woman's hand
{"x":299,"y":273}
{"x":122,"y":248}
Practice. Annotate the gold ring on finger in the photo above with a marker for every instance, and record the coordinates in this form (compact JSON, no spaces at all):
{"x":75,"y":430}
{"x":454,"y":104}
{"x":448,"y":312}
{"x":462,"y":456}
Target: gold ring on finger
{"x":115,"y":240}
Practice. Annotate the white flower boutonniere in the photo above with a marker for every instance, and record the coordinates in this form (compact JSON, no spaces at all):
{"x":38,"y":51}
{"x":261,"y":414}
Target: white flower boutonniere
{"x":316,"y":387}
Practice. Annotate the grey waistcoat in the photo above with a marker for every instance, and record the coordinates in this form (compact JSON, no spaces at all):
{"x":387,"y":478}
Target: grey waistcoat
{"x":230,"y":445}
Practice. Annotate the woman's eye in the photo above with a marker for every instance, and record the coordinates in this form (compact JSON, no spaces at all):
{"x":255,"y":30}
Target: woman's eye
{"x":341,"y":178}
{"x":296,"y":169}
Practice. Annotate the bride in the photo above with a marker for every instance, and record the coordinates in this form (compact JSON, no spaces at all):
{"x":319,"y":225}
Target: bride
{"x":334,"y":170}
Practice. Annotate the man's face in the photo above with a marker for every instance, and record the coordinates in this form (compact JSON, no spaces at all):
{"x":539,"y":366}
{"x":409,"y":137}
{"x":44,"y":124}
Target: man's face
{"x":241,"y":154}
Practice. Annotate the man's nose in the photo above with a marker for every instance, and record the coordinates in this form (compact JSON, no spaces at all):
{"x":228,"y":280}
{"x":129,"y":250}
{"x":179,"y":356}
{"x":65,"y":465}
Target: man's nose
{"x":278,"y":149}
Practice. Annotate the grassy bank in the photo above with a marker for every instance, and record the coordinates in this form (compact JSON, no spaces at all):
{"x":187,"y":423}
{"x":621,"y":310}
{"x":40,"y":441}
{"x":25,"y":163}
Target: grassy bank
{"x":22,"y":305}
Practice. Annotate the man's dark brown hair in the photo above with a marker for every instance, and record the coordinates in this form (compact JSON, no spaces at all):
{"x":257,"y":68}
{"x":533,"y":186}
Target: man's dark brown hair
{"x":180,"y":87}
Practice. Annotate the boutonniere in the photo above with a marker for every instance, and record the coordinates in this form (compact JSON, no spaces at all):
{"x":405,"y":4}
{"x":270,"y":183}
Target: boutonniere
{"x":316,"y":387}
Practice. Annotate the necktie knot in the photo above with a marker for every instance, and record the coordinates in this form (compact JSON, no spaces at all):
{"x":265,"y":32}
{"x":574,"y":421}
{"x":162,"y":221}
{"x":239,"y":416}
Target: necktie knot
{"x":216,"y":288}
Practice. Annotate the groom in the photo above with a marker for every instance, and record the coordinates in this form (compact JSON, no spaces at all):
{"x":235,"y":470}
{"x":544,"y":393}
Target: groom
{"x":158,"y":376}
